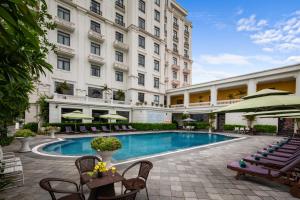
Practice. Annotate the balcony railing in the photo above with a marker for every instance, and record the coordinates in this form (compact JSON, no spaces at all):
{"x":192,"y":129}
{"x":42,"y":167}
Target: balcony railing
{"x":177,"y":106}
{"x":175,"y":82}
{"x":121,"y":45}
{"x":64,"y":50}
{"x":63,"y":24}
{"x":229,"y":101}
{"x":120,"y":6}
{"x":98,"y":37}
{"x":176,"y":26}
{"x":95,"y":10}
{"x":96,"y":59}
{"x":199,"y":104}
{"x":186,"y":33}
{"x":175,"y":39}
{"x":186,"y":45}
{"x":175,"y":67}
{"x":186,"y":71}
{"x":120,"y":66}
{"x":119,"y":22}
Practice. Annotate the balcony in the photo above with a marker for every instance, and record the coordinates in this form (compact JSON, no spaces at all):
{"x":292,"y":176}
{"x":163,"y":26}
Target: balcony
{"x":120,"y":66}
{"x":98,"y":37}
{"x":186,"y":33}
{"x":186,"y":71}
{"x":227,"y":102}
{"x":186,"y":45}
{"x":64,"y":50}
{"x":176,"y":26}
{"x":175,"y":50}
{"x":119,"y":22}
{"x":186,"y":56}
{"x":175,"y":39}
{"x":96,"y":10}
{"x":175,"y":82}
{"x":120,"y":6}
{"x":175,"y":67}
{"x":200,"y":104}
{"x":120,"y":45}
{"x":177,"y":106}
{"x":63,"y":24}
{"x":96,"y":59}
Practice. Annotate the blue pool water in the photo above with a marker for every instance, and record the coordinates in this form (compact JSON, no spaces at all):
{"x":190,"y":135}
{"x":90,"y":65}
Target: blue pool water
{"x":137,"y":145}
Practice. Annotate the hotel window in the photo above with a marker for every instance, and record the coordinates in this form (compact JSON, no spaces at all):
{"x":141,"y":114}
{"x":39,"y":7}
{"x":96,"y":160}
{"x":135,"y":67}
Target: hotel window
{"x":157,"y":15}
{"x":156,"y":65}
{"x":141,"y":60}
{"x":174,"y":75}
{"x":186,"y":28}
{"x":95,"y":92}
{"x":156,"y":82}
{"x":142,"y":6}
{"x":63,"y":38}
{"x":175,"y":47}
{"x":95,"y":7}
{"x":175,"y":21}
{"x":119,"y":56}
{"x":95,"y":26}
{"x":156,"y":31}
{"x":174,"y":61}
{"x":119,"y":76}
{"x":64,"y":88}
{"x":156,"y":99}
{"x":95,"y":48}
{"x":141,"y":97}
{"x":157,"y":2}
{"x":185,"y":78}
{"x":95,"y":70}
{"x":119,"y":36}
{"x":63,"y":13}
{"x":120,"y":3}
{"x":119,"y":19}
{"x":142,"y":23}
{"x":186,"y":54}
{"x":156,"y":48}
{"x":174,"y":34}
{"x":142,"y":42}
{"x":141,"y":79}
{"x":185,"y":65}
{"x":63,"y":63}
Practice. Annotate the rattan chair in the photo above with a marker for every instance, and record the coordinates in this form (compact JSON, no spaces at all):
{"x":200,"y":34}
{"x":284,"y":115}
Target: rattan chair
{"x":128,"y":196}
{"x":85,"y":164}
{"x":140,"y":182}
{"x":47,"y":184}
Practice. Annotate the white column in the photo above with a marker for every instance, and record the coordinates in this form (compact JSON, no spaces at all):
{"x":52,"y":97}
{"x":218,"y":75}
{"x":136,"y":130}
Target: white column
{"x":297,"y":77}
{"x":213,"y":95}
{"x":168,"y":100}
{"x":251,"y":87}
{"x":186,"y":99}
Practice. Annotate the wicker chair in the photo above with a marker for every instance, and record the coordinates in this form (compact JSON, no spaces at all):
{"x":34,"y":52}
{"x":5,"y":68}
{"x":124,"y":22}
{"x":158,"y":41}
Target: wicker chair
{"x":128,"y":196}
{"x":46,"y":184}
{"x":139,"y":182}
{"x":85,"y":164}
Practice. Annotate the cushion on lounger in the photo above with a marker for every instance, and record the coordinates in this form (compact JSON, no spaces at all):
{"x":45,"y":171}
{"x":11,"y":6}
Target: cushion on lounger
{"x":242,"y":164}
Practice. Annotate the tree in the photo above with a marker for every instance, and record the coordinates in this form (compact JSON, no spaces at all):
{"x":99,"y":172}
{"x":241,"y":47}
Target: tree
{"x":23,"y":48}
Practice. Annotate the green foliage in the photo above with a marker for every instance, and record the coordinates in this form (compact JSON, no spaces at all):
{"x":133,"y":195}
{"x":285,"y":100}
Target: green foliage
{"x":33,"y":126}
{"x":185,"y":116}
{"x":265,"y":128}
{"x":120,"y":95}
{"x":4,"y":139}
{"x":202,"y":125}
{"x":106,"y":144}
{"x":230,"y":127}
{"x":44,"y":108}
{"x":23,"y":48}
{"x":24,"y":133}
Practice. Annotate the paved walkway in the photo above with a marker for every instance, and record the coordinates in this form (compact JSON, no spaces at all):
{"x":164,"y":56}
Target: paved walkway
{"x":196,"y":174}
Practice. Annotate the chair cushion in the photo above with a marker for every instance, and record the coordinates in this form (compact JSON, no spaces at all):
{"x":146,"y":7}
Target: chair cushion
{"x":134,"y":184}
{"x":71,"y":197}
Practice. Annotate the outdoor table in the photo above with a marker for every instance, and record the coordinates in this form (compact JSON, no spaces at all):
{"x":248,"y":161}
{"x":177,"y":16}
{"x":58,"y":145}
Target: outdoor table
{"x":103,"y":186}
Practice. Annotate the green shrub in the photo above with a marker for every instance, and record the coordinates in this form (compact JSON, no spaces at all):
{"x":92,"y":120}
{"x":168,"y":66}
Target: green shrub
{"x":33,"y":126}
{"x":230,"y":127}
{"x":24,"y":133}
{"x":106,"y":144}
{"x":153,"y":126}
{"x":265,"y":128}
{"x":4,"y":139}
{"x":202,"y":125}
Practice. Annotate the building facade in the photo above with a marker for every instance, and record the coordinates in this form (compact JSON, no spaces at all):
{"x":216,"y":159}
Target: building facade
{"x":115,"y":57}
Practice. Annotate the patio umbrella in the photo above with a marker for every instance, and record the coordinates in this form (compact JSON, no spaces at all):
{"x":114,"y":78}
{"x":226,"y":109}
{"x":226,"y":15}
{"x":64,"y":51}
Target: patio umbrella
{"x":112,"y":116}
{"x":264,"y":100}
{"x":273,"y":112}
{"x":76,"y":115}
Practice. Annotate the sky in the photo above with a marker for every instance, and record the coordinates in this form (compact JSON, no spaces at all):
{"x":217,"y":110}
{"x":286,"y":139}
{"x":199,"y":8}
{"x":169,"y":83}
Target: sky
{"x":234,"y":37}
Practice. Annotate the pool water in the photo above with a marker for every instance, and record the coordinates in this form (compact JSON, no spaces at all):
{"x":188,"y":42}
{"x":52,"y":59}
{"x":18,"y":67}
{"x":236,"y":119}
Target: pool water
{"x":137,"y":145}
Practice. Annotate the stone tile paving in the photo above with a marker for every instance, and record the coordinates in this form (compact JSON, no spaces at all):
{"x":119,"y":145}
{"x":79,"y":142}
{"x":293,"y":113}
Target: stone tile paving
{"x":197,"y":174}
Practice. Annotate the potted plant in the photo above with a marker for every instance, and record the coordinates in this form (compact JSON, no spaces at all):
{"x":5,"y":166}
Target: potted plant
{"x":24,"y":136}
{"x":120,"y":95}
{"x":52,"y":130}
{"x":106,"y":147}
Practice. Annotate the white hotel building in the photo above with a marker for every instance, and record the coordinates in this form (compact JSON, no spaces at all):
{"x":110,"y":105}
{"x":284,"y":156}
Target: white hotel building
{"x":141,"y":48}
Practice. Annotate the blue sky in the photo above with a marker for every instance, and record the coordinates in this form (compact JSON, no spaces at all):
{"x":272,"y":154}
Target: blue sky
{"x":233,"y":37}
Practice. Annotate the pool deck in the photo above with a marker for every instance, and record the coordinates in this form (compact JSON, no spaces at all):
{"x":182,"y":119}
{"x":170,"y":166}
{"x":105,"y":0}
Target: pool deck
{"x":194,"y":174}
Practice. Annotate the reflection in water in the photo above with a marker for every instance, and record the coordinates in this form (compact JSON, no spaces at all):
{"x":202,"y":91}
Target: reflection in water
{"x":138,"y":145}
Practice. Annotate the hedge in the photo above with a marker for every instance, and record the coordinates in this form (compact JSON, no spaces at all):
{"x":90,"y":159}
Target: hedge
{"x":137,"y":126}
{"x":33,"y":126}
{"x":265,"y":128}
{"x":202,"y":125}
{"x":230,"y":127}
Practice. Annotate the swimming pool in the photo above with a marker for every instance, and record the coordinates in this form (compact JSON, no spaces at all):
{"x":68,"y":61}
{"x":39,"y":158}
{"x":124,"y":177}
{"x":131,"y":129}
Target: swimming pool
{"x":137,"y":145}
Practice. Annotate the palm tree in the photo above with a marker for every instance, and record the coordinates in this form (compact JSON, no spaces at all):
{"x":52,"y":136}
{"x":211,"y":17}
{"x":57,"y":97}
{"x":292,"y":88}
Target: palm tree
{"x":107,"y":91}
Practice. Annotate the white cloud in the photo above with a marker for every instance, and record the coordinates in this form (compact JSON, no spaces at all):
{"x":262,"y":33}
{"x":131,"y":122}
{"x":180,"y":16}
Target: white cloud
{"x":224,"y":59}
{"x":293,"y":59}
{"x":282,"y":36}
{"x":251,"y":24}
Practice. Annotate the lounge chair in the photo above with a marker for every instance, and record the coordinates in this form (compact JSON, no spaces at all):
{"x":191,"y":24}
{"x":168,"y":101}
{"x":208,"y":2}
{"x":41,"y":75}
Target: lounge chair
{"x":82,"y":129}
{"x":12,"y":172}
{"x":117,"y":128}
{"x":105,"y":129}
{"x":124,"y":128}
{"x":68,"y":129}
{"x":94,"y":129}
{"x":130,"y":128}
{"x":267,"y":162}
